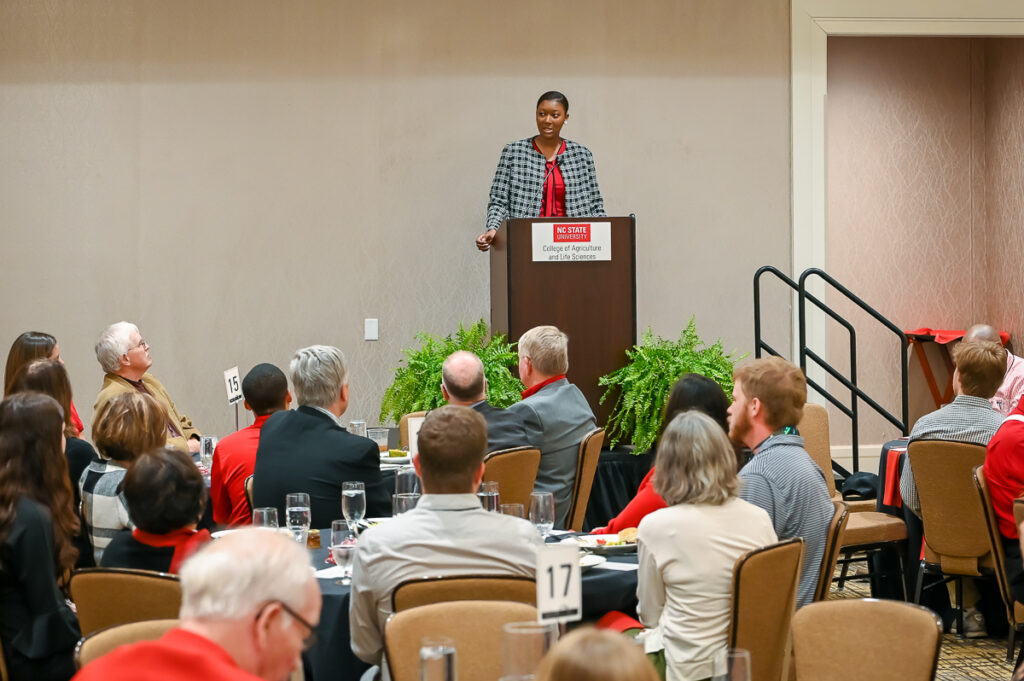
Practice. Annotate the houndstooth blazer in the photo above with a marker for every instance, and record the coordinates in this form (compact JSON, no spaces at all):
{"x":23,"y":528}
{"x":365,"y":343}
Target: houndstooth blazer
{"x":519,"y":183}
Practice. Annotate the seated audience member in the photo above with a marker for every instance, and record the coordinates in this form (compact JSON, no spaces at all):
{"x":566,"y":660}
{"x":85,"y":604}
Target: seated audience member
{"x":125,"y":358}
{"x":48,"y":376}
{"x":308,"y":450}
{"x":767,"y":403}
{"x":1012,"y":386}
{"x":33,"y":345}
{"x":595,"y":655}
{"x":37,"y":628}
{"x":165,"y":494}
{"x":692,"y":391}
{"x":1004,"y":471}
{"x":463,"y":383}
{"x":687,"y":550}
{"x":448,"y":533}
{"x":555,"y":413}
{"x":249,"y":606}
{"x":265,"y":389}
{"x":124,"y":427}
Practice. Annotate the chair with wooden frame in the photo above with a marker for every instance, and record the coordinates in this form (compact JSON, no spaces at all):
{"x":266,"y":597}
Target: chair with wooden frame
{"x":956,"y":543}
{"x":428,"y":590}
{"x":248,"y":493}
{"x":833,"y":541}
{"x":1014,"y":609}
{"x":865,"y":638}
{"x":515,"y":471}
{"x":765,"y":583}
{"x":586,"y":467}
{"x":109,"y":596}
{"x":813,"y":428}
{"x":403,"y":427}
{"x":100,"y":642}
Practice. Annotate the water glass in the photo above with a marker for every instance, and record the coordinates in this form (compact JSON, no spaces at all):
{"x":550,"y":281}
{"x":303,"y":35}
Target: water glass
{"x":488,"y":495}
{"x":516,"y":510}
{"x":357,"y":428}
{"x":353,"y":501}
{"x":731,"y":664}
{"x":437,"y":659}
{"x":380,"y":436}
{"x":206,"y":446}
{"x":264,"y":517}
{"x":406,"y":481}
{"x":542,"y":512}
{"x":400,"y":503}
{"x":297,"y":515}
{"x":523,"y":645}
{"x":344,"y":541}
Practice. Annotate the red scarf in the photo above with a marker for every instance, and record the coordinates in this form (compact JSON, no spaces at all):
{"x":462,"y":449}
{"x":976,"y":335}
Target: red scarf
{"x":185,"y":543}
{"x":530,"y":391}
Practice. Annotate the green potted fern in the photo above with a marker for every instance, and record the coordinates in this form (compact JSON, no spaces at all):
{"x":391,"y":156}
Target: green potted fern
{"x":644,"y":383}
{"x":417,"y":384}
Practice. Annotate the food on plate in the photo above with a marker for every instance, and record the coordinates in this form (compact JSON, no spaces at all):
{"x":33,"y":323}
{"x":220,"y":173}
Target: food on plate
{"x":628,"y":535}
{"x":397,"y":452}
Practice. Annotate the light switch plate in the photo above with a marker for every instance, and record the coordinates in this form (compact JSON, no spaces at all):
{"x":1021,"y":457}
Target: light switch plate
{"x":370,"y":331}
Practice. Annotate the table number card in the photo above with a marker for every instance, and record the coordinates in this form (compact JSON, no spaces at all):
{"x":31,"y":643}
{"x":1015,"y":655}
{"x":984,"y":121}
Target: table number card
{"x":559,"y":596}
{"x":233,"y":385}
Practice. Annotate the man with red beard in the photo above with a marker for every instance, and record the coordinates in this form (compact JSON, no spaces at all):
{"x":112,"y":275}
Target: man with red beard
{"x":768,"y":400}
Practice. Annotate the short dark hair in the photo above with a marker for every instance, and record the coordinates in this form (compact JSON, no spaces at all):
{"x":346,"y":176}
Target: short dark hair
{"x":265,"y":388}
{"x":452,"y":443}
{"x":554,"y":96}
{"x":164,"y":491}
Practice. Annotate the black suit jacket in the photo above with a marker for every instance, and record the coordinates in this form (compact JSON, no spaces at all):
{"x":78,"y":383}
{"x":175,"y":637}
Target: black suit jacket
{"x":505,"y":429}
{"x":306,"y":451}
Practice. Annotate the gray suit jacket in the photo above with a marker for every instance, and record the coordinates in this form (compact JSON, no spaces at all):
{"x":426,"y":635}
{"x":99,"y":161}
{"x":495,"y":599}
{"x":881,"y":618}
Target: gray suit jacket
{"x":505,"y":429}
{"x":556,"y":418}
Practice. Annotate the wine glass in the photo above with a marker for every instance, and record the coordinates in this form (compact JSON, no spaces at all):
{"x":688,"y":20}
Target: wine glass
{"x":406,"y":481}
{"x":523,"y":644}
{"x":731,"y":664}
{"x":264,"y":517}
{"x":542,"y":512}
{"x":343,"y":548}
{"x":353,"y":501}
{"x":297,"y":515}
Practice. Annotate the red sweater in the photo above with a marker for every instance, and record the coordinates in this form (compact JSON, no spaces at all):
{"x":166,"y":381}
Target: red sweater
{"x":233,"y":462}
{"x":646,"y":501}
{"x":1004,"y":470}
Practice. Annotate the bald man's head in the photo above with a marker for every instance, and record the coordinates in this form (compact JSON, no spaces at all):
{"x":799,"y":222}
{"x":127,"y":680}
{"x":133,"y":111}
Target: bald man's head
{"x":982,"y":332}
{"x":462,"y":378}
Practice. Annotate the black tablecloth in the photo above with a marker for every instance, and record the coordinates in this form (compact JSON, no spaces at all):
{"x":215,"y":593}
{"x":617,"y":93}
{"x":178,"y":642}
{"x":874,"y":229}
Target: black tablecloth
{"x":618,"y":476}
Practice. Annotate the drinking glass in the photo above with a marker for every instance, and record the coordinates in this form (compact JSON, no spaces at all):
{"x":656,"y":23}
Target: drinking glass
{"x":357,"y":428}
{"x":488,"y":495}
{"x":731,"y":664}
{"x":343,"y":548}
{"x":516,"y":510}
{"x":406,"y":481}
{"x":206,"y":446}
{"x":400,"y":503}
{"x":380,"y":436}
{"x":353,"y":501}
{"x":264,"y":517}
{"x":542,"y":512}
{"x":523,"y":645}
{"x":437,"y":659}
{"x":297,"y":515}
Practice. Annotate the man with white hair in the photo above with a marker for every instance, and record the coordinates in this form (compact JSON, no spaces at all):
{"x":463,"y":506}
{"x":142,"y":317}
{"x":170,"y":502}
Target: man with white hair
{"x":555,"y":412}
{"x":1012,"y":387}
{"x":463,"y":383}
{"x":308,"y":450}
{"x":125,"y":358}
{"x":250,"y":606}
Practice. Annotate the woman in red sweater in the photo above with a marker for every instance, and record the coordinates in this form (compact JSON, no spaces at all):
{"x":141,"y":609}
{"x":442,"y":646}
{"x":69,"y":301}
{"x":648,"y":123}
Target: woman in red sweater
{"x":692,"y":391}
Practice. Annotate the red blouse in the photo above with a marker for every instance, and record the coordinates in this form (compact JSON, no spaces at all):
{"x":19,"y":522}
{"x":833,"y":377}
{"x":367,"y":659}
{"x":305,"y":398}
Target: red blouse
{"x":552,"y":202}
{"x":646,"y":501}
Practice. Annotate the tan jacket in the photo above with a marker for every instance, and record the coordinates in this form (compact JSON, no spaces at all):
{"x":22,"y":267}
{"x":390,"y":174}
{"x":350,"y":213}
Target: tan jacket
{"x":115,"y":385}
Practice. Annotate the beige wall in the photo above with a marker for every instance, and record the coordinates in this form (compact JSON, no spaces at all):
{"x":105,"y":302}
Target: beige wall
{"x":246,"y":177}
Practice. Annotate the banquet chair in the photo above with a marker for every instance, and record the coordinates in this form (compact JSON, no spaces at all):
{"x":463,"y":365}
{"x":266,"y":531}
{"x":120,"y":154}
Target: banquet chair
{"x":813,"y":428}
{"x":515,"y":471}
{"x":108,"y":596}
{"x":100,"y":642}
{"x":865,"y":638}
{"x":956,"y":542}
{"x":1014,"y":609}
{"x":764,"y":588}
{"x":248,"y":493}
{"x":586,"y":467}
{"x":833,"y":540}
{"x":403,"y":427}
{"x":429,"y":590}
{"x":476,"y":627}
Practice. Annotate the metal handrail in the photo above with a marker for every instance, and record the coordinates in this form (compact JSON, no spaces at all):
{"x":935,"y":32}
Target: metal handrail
{"x":857,"y":395}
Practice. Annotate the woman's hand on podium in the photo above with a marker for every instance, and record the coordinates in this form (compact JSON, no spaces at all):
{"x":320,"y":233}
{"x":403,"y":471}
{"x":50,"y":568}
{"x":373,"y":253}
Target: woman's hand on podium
{"x":483,"y":242}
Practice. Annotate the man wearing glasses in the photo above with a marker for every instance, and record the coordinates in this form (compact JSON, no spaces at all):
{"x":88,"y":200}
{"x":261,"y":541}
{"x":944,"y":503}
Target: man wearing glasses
{"x":250,"y":606}
{"x":125,"y":358}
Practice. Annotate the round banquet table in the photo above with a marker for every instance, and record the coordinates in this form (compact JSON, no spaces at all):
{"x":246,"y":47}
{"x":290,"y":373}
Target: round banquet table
{"x":332,"y":656}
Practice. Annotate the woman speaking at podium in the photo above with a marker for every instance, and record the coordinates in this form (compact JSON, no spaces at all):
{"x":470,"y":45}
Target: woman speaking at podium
{"x":543,"y":176}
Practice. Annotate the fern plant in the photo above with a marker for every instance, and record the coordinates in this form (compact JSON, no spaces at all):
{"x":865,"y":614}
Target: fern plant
{"x":417,"y":385}
{"x":652,"y":369}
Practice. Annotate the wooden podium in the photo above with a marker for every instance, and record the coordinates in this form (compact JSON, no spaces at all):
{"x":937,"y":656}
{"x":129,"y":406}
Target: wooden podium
{"x":593,"y":301}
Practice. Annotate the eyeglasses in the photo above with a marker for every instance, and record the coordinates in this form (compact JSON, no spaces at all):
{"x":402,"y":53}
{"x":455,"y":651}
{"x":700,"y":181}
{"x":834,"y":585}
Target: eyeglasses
{"x":310,"y":640}
{"x":142,"y":344}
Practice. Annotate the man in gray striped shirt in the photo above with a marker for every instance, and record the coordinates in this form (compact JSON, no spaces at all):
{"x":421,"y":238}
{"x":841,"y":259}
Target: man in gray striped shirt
{"x":768,"y":400}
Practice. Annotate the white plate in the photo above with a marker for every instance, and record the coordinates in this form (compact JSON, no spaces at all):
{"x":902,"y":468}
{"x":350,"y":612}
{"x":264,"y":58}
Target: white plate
{"x":589,"y":560}
{"x":223,"y":533}
{"x":590,"y":542}
{"x":384,"y":458}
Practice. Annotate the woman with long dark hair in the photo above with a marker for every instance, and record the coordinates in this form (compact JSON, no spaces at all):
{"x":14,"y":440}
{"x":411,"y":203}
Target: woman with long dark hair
{"x":37,"y":627}
{"x":33,"y":345}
